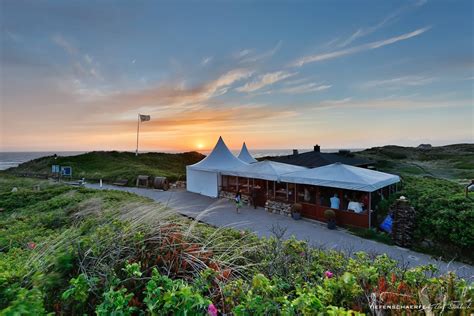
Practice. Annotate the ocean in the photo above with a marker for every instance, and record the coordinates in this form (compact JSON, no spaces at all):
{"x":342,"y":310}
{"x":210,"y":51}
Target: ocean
{"x":13,"y":159}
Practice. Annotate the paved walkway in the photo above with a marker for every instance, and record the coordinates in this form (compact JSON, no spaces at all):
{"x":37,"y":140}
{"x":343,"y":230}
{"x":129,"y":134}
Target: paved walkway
{"x":220,"y":212}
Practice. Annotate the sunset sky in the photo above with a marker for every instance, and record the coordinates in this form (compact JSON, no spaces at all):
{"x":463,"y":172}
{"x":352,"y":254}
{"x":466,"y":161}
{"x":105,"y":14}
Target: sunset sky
{"x":277,"y":74}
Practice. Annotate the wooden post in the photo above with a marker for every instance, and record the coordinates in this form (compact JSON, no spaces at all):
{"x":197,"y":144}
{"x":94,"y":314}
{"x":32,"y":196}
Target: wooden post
{"x":296,"y":193}
{"x":341,"y":194}
{"x":237,"y":183}
{"x":369,"y":209}
{"x":287,"y":191}
{"x":274,"y":190}
{"x":317,"y":201}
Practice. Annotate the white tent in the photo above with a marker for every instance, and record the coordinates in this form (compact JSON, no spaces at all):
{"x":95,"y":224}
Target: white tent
{"x":266,"y":170}
{"x":245,"y":156}
{"x":204,"y":178}
{"x":343,"y":176}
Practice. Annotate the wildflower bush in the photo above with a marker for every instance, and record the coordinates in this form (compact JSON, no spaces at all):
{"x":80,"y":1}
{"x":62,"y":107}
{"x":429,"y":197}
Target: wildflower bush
{"x":76,"y":251}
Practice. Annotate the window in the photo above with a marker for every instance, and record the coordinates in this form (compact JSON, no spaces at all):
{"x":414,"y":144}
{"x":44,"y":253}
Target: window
{"x":281,"y":191}
{"x":291,"y":192}
{"x":244,"y":185}
{"x":325,"y":196}
{"x":232,"y":184}
{"x":306,"y":194}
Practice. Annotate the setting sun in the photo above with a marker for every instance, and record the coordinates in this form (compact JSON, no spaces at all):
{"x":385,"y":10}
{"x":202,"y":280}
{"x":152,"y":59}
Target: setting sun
{"x":200,"y":146}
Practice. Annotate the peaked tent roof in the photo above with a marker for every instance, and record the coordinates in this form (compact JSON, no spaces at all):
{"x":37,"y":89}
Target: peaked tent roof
{"x":219,"y":159}
{"x":245,"y":156}
{"x":266,"y":170}
{"x":338,"y":175}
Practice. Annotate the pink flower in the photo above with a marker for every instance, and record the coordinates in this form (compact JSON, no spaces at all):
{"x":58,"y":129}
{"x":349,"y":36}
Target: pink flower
{"x":211,"y":310}
{"x":31,"y":245}
{"x":328,"y":274}
{"x":302,"y":254}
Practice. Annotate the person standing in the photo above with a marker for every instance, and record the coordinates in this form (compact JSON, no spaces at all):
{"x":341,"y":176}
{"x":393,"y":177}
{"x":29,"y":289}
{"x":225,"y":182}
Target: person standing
{"x":238,"y":201}
{"x":335,"y":202}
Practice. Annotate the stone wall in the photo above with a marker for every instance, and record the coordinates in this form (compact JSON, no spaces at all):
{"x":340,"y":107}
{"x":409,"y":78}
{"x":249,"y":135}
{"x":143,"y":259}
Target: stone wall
{"x":277,"y":207}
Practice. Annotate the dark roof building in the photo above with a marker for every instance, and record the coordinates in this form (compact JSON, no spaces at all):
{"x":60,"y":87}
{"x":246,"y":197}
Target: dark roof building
{"x":316,"y":158}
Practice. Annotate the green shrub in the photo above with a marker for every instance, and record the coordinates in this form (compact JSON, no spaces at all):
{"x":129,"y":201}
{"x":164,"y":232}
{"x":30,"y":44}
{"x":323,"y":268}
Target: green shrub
{"x":116,"y":302}
{"x":99,"y":258}
{"x":27,"y":302}
{"x":329,"y":214}
{"x":164,"y":296}
{"x":443,"y":214}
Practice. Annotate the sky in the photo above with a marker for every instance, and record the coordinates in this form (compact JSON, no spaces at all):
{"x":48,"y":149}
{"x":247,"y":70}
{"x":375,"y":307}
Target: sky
{"x":277,"y":74}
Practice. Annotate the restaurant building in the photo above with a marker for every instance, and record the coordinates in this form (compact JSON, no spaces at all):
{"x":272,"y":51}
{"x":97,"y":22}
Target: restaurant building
{"x":277,"y":186}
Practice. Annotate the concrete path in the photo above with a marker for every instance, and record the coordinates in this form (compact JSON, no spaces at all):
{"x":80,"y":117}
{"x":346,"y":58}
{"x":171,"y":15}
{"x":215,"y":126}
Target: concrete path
{"x":220,"y":212}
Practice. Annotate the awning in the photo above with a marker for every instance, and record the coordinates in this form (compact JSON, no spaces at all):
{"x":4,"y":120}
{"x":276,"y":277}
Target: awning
{"x":342,"y":176}
{"x":266,"y":170}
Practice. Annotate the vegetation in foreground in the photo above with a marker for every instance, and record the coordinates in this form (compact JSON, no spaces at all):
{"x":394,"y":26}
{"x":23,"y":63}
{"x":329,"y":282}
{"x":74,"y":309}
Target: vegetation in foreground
{"x":112,"y":165}
{"x":73,"y":251}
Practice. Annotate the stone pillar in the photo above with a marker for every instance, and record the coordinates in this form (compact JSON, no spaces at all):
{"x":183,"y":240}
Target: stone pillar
{"x":403,"y":223}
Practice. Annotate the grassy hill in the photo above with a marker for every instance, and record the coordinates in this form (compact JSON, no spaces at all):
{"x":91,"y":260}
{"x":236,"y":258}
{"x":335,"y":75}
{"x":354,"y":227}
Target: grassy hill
{"x":114,"y":165}
{"x":453,"y":162}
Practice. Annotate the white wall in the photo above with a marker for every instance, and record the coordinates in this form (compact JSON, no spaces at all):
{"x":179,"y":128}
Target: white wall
{"x":202,"y":182}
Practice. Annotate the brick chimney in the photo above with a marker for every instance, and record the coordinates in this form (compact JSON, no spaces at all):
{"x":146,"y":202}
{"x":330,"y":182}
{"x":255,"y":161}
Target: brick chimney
{"x":295,"y":152}
{"x":317,"y":148}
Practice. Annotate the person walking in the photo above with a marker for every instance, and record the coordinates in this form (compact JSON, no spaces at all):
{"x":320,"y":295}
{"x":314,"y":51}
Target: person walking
{"x":238,"y":201}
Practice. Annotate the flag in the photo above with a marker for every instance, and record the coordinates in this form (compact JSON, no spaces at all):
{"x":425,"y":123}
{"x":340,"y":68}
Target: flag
{"x":144,"y":118}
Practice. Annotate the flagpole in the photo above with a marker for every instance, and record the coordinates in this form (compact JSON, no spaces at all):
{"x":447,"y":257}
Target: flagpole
{"x":138,"y":132}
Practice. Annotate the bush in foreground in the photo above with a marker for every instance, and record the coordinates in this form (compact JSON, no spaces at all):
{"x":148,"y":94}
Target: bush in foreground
{"x":74,"y":251}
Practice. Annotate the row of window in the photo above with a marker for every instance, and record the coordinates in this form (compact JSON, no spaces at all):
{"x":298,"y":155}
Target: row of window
{"x":289,"y":192}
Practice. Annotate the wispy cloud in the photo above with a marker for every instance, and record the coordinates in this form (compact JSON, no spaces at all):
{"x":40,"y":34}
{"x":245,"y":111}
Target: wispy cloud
{"x":84,"y":65}
{"x":257,"y":57}
{"x":233,"y":115}
{"x":13,"y":36}
{"x":265,"y":80}
{"x":64,"y":44}
{"x":357,"y":49}
{"x":242,"y":53}
{"x":364,"y":31}
{"x":399,"y":82}
{"x":174,"y":95}
{"x":206,"y":60}
{"x":305,"y":88}
{"x":402,"y":103}
{"x":222,"y":84}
